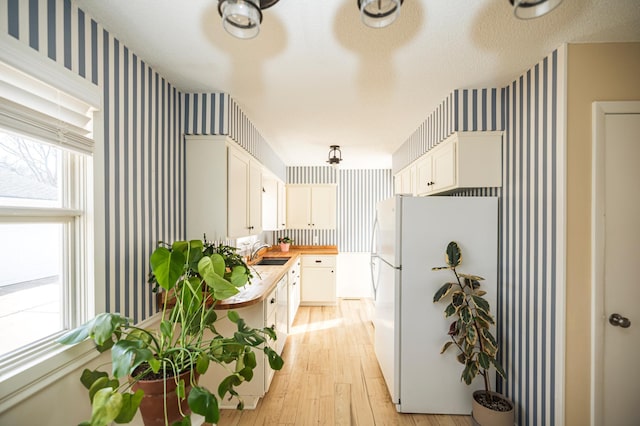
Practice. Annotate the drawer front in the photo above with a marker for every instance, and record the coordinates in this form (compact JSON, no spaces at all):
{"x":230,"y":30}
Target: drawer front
{"x":271,"y":303}
{"x":319,"y":261}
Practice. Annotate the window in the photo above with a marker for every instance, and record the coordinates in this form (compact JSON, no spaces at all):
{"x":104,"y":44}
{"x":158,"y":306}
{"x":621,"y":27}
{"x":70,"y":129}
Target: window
{"x":42,"y":215}
{"x":47,"y":229}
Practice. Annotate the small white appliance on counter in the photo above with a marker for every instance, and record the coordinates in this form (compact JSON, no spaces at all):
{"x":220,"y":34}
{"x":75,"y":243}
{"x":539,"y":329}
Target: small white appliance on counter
{"x":410,"y":237}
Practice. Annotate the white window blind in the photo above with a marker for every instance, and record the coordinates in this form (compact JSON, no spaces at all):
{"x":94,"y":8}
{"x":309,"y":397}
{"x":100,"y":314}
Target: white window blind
{"x":32,"y":107}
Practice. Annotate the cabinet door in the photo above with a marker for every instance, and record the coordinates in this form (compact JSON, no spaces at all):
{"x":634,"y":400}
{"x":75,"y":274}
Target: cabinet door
{"x":323,"y":207}
{"x":318,"y":285}
{"x":408,"y":178}
{"x":444,"y":166}
{"x":397,"y":184}
{"x":298,"y":207}
{"x":282,"y":206}
{"x":270,"y":204}
{"x":424,"y":181}
{"x":255,"y":198}
{"x":238,"y":199}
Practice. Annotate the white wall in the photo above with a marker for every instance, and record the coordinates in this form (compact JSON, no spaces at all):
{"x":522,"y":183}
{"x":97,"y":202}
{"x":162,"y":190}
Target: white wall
{"x":354,"y":275}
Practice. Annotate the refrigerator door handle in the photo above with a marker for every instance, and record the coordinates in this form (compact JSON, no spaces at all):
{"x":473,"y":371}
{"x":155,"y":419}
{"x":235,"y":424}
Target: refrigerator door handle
{"x":374,"y":279}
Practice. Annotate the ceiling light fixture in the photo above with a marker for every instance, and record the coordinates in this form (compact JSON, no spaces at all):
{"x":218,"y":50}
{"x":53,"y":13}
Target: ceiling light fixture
{"x":529,"y":9}
{"x":335,"y":155}
{"x":242,"y":18}
{"x":379,"y":13}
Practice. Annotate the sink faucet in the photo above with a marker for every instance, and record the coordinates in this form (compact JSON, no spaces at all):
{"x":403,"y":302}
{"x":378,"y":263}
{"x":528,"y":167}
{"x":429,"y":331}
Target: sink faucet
{"x":254,"y":252}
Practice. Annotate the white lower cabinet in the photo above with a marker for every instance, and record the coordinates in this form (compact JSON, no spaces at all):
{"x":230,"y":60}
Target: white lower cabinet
{"x":294,"y":294}
{"x":318,"y":276}
{"x":262,"y":314}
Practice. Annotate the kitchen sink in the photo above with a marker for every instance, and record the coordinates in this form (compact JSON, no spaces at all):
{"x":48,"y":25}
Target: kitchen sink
{"x":273,"y":261}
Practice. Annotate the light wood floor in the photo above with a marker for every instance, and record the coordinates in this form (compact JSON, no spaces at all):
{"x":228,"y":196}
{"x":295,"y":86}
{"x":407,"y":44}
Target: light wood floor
{"x":331,"y":376}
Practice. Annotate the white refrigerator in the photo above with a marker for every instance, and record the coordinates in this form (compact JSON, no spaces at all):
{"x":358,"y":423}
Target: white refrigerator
{"x":410,"y":237}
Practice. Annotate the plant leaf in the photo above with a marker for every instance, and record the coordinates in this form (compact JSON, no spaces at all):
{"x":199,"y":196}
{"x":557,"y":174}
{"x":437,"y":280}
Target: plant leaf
{"x":471,"y":335}
{"x":453,"y":255}
{"x":202,"y":364}
{"x":238,"y":276}
{"x":445,"y":347}
{"x":484,"y":360}
{"x":499,"y":368}
{"x":480,"y":303}
{"x":130,"y":404}
{"x":471,"y":277}
{"x":487,"y":317}
{"x":222,"y":289}
{"x":275,"y":361}
{"x":457,"y":298}
{"x":106,"y":407}
{"x":465,"y":314}
{"x":470,"y":371}
{"x":167,"y":266}
{"x":449,"y":310}
{"x":126,"y":355}
{"x":88,"y":377}
{"x":102,"y":383}
{"x":203,"y":402}
{"x":442,"y":292}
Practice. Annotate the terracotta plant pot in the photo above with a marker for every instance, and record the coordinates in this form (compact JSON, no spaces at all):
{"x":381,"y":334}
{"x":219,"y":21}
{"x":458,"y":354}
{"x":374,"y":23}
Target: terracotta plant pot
{"x":284,"y":247}
{"x":485,"y":416}
{"x":152,"y":405}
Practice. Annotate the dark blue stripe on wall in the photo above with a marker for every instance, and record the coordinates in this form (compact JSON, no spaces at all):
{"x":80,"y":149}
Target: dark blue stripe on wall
{"x":484,"y":109}
{"x":204,"y":114}
{"x":81,"y":44}
{"x":13,"y":18}
{"x":554,"y":207}
{"x":107,"y":159}
{"x":94,"y":52}
{"x":51,"y":29}
{"x":545,"y":220}
{"x":34,"y":41}
{"x":135,"y":184}
{"x":146,"y":308}
{"x":536,"y":232}
{"x":126,"y":184}
{"x":67,"y":33}
{"x":116,"y":165}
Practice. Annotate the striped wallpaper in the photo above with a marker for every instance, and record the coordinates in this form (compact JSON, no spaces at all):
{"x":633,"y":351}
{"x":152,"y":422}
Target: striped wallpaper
{"x":530,"y":308}
{"x":219,"y":114}
{"x":358,"y":192}
{"x":143,"y":149}
{"x":462,"y":110}
{"x":532,"y":241}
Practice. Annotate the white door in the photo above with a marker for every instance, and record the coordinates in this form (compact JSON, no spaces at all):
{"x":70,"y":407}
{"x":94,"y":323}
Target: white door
{"x":616,"y":248}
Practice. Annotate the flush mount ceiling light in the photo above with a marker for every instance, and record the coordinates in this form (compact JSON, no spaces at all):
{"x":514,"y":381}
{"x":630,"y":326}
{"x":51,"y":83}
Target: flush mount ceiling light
{"x":379,"y":13}
{"x":242,"y":18}
{"x":529,"y":9}
{"x":335,"y":155}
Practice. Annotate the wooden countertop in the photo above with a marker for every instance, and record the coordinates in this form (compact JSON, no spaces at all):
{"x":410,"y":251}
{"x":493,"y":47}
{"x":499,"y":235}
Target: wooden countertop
{"x":266,"y":277}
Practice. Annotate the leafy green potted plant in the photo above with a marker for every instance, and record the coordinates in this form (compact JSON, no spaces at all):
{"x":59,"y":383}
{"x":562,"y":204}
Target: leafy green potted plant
{"x":194,"y":275}
{"x":470,"y":334}
{"x":285,"y":243}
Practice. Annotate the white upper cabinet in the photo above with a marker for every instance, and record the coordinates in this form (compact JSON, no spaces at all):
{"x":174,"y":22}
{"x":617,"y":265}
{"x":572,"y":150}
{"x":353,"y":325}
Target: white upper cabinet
{"x":273,"y":203}
{"x":244,"y":194}
{"x":223,"y":189}
{"x":406,"y":180}
{"x":463,"y":160}
{"x":311,"y":206}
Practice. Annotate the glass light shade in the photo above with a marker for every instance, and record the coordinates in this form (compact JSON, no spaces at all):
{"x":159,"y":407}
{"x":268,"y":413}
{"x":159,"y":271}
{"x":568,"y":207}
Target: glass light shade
{"x":379,"y":13}
{"x":241,"y":18}
{"x":529,"y":9}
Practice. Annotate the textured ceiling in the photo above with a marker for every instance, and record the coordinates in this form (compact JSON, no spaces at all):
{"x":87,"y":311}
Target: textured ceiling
{"x":315,"y":76}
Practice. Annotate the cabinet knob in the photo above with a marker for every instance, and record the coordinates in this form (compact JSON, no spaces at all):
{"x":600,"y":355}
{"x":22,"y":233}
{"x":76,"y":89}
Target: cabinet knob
{"x":273,"y":300}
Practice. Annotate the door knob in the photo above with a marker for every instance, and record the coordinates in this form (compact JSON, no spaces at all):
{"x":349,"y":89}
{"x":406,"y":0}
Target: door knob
{"x":618,"y":320}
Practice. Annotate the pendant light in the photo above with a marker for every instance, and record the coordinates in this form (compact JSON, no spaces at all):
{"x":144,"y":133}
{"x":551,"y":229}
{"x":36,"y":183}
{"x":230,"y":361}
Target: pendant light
{"x":379,"y":13}
{"x":335,"y":155}
{"x":529,"y":9}
{"x":242,"y":18}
